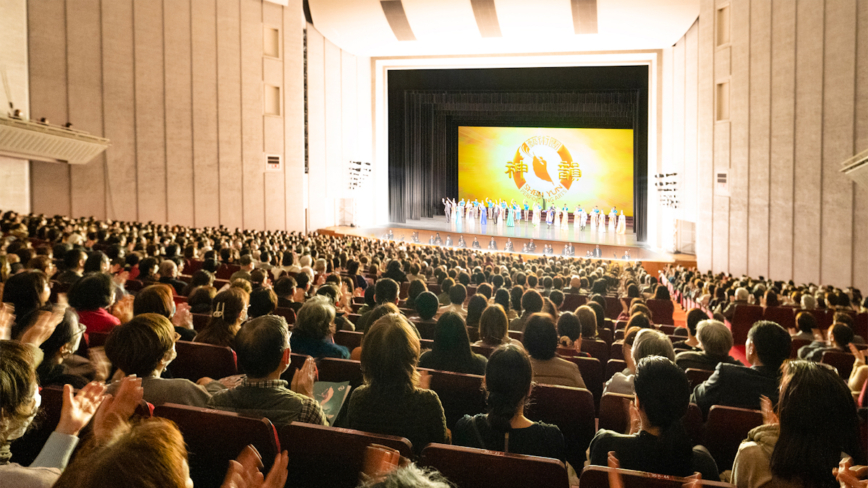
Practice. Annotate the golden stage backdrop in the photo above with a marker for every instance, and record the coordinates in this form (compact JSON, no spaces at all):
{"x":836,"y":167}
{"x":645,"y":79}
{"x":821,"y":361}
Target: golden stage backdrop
{"x":588,"y":167}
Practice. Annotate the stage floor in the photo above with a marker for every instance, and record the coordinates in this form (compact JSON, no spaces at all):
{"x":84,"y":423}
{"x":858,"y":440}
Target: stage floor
{"x":523,"y":230}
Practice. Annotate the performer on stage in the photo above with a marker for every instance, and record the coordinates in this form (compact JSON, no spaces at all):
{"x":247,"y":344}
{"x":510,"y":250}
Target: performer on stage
{"x":461,"y":242}
{"x":508,"y":246}
{"x":483,"y":216}
{"x":549,"y":217}
{"x":557,"y":219}
{"x":461,"y":206}
{"x":510,"y":220}
{"x":524,"y":248}
{"x":579,"y":217}
{"x":526,"y":210}
{"x":516,"y":210}
{"x":448,"y":240}
{"x":504,"y":212}
{"x":622,"y":223}
{"x":613,"y":219}
{"x":565,"y":215}
{"x":447,"y":208}
{"x":536,"y":213}
{"x":492,"y":245}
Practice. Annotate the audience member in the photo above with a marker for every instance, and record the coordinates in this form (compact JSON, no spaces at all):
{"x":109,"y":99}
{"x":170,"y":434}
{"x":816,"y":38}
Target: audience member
{"x":694,"y":317}
{"x":541,"y":342}
{"x":531,"y":303}
{"x":646,"y":342}
{"x":228,"y":312}
{"x":715,"y":340}
{"x":451,"y":350}
{"x":314,"y":329}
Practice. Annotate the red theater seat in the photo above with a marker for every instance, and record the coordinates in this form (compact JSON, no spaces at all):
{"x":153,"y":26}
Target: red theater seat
{"x":478,"y":468}
{"x":592,"y":375}
{"x":783,"y":316}
{"x":725,"y":428}
{"x":661,"y":311}
{"x":572,"y":410}
{"x":215,"y":437}
{"x":197,"y":360}
{"x":697,"y":376}
{"x":460,"y":394}
{"x":614,"y":366}
{"x":742,"y":320}
{"x":615,"y":412}
{"x":842,"y":361}
{"x":598,"y":476}
{"x":349,"y":339}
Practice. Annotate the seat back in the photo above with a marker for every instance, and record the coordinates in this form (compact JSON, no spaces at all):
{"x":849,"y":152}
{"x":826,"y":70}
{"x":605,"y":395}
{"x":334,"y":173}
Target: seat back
{"x":572,"y":410}
{"x":616,"y":351}
{"x":783,"y":316}
{"x":842,"y":361}
{"x":336,"y":370}
{"x":97,"y":339}
{"x":349,"y":339}
{"x":606,"y":335}
{"x":614,"y":366}
{"x":592,"y":374}
{"x":615,"y":412}
{"x":860,"y":326}
{"x":661,"y":311}
{"x":313,"y":450}
{"x":478,"y":468}
{"x":742,"y":320}
{"x":215,"y":437}
{"x":725,"y":428}
{"x":599,"y":476}
{"x":197,"y":360}
{"x":286,"y":313}
{"x":573,"y":301}
{"x":484,"y":350}
{"x":200,"y":321}
{"x":460,"y":394}
{"x":614,"y":307}
{"x":697,"y":376}
{"x":824,"y":318}
{"x":795,"y":345}
{"x":597,"y":349}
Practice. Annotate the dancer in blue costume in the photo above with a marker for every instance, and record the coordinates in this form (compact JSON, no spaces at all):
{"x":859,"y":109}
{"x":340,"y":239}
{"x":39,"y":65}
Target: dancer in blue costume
{"x":517,"y":209}
{"x":483,"y":219}
{"x":510,"y":221}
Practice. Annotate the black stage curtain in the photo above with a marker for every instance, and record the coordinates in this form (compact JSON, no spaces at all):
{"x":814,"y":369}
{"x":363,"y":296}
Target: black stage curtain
{"x":423,"y":135}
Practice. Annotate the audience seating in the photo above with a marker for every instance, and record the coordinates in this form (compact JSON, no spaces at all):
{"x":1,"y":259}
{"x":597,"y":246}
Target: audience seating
{"x":573,"y":301}
{"x":607,"y":336}
{"x":286,"y":313}
{"x":661,"y":311}
{"x":597,"y":349}
{"x":460,"y":394}
{"x":571,"y":409}
{"x":697,"y":376}
{"x":614,"y":366}
{"x":478,"y":468}
{"x":615,"y":412}
{"x":725,"y":429}
{"x":742,"y":320}
{"x":592,"y":374}
{"x":196,"y":360}
{"x":783,"y":316}
{"x":215,"y":437}
{"x":97,"y":339}
{"x":824,"y":319}
{"x":614,"y":307}
{"x":617,"y":350}
{"x":484,"y":350}
{"x":516,"y":335}
{"x":795,"y":345}
{"x":426,"y":329}
{"x":225,"y":271}
{"x":354,"y":318}
{"x":337,"y":370}
{"x":842,"y":361}
{"x":133,"y":286}
{"x":200,"y":321}
{"x":328,"y":456}
{"x":349,"y":339}
{"x":860,"y":326}
{"x":598,"y":476}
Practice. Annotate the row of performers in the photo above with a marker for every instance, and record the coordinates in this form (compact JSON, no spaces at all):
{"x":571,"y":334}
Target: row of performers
{"x":498,"y":211}
{"x":527,"y":247}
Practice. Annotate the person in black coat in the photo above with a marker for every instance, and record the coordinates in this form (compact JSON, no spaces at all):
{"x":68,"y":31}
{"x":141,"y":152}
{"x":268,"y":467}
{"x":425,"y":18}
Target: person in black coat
{"x":767,"y":347}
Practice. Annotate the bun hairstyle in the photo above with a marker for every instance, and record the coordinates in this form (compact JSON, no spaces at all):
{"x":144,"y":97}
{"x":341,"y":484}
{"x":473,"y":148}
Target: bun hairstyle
{"x":508,"y":377}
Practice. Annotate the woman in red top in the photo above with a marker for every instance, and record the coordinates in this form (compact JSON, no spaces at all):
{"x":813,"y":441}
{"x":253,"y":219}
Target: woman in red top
{"x":91,"y":296}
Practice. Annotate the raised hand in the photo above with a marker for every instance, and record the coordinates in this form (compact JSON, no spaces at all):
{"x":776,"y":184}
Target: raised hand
{"x":859,"y":355}
{"x":77,"y":410}
{"x":769,"y":416}
{"x":303,"y":379}
{"x":115,"y":410}
{"x":45,"y":324}
{"x":244,"y":472}
{"x":182,"y":317}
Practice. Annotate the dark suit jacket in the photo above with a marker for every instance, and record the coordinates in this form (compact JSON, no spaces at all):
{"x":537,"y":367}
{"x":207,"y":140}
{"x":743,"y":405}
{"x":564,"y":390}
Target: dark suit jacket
{"x":702,"y":360}
{"x":737,"y":386}
{"x":68,"y":277}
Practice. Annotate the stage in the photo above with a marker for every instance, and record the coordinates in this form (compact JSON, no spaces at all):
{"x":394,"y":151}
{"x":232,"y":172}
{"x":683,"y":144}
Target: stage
{"x":613,"y":246}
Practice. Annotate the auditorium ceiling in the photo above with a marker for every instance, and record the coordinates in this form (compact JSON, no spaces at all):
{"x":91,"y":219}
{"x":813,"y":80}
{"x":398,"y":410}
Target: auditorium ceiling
{"x":448,"y":27}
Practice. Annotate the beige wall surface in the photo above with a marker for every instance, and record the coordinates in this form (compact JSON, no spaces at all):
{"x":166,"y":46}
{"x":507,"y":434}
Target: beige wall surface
{"x":14,"y":173}
{"x":178,"y":86}
{"x":798,"y":79}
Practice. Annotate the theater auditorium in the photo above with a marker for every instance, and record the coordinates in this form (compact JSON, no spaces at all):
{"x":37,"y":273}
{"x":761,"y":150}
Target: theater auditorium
{"x":433,"y":243}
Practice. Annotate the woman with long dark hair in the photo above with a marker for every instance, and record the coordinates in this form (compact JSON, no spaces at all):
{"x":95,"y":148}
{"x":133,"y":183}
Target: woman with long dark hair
{"x":452,"y":348}
{"x":508,"y":383}
{"x":816,"y":421}
{"x":657,"y":442}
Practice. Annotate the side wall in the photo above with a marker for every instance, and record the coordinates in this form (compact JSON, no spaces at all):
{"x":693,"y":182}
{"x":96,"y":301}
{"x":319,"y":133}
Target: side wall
{"x":14,"y":173}
{"x":179,"y":86}
{"x":798,"y":106}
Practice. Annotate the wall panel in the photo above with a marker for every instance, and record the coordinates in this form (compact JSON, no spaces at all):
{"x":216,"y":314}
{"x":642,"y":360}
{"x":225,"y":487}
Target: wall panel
{"x":349,"y":122}
{"x":119,"y":112}
{"x":838,"y":103}
{"x":705,"y":157}
{"x":808,"y":143}
{"x":319,"y":213}
{"x":860,"y":202}
{"x":333,"y":126}
{"x":84,"y":67}
{"x":760,"y":101}
{"x":150,"y":116}
{"x":783,"y":69}
{"x":205,"y":139}
{"x":179,"y":116}
{"x":691,"y":121}
{"x":229,"y":115}
{"x":293,"y":119}
{"x":48,"y":98}
{"x":739,"y":100}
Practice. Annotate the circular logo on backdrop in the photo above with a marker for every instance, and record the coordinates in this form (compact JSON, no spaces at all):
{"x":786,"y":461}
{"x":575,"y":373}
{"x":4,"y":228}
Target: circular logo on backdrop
{"x":543,"y":168}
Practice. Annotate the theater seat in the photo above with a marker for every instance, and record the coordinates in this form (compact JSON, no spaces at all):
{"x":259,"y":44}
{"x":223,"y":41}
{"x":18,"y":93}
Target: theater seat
{"x":742,"y":320}
{"x":573,"y":301}
{"x":661,"y":311}
{"x":215,"y":437}
{"x":842,"y":361}
{"x":592,"y":375}
{"x":197,"y":360}
{"x":571,"y":409}
{"x":697,"y":376}
{"x":614,"y":366}
{"x":286,"y":313}
{"x":200,"y":321}
{"x":328,"y":456}
{"x":333,"y":369}
{"x":460,"y":394}
{"x":484,"y":350}
{"x":349,"y":339}
{"x":725,"y":428}
{"x":97,"y":339}
{"x":598,"y":476}
{"x":615,"y":412}
{"x":477,"y":468}
{"x":783,"y":316}
{"x":597,"y":349}
{"x":795,"y":345}
{"x":614,"y":307}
